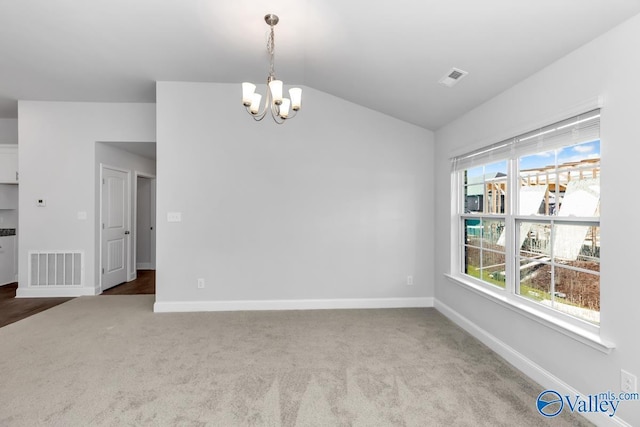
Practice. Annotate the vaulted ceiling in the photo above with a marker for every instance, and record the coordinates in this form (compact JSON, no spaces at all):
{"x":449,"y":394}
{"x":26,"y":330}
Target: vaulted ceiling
{"x":384,"y":55}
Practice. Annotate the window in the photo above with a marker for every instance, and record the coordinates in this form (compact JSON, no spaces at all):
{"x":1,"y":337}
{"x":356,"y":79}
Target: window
{"x":527,"y":218}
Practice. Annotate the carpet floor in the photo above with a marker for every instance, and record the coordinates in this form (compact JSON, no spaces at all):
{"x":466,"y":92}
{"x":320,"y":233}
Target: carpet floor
{"x":109,"y":360}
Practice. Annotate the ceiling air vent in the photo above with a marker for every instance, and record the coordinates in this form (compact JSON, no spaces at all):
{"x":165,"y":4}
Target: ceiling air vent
{"x":453,"y":76}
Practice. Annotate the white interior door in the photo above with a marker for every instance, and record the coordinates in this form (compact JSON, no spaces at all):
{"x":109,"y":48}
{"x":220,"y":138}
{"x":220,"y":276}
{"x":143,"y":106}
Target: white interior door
{"x":115,"y":227}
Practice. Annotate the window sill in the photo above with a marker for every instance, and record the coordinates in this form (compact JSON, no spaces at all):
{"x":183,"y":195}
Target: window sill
{"x":584,"y":336}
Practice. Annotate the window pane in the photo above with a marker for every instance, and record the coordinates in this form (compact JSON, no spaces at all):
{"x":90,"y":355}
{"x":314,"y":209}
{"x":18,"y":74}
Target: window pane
{"x":577,"y":246}
{"x":535,"y":280}
{"x":493,"y":268}
{"x":568,"y":282}
{"x":568,"y":176}
{"x":484,"y":256}
{"x":472,"y":260}
{"x":473,"y":242}
{"x":493,"y":234}
{"x":473,"y":231}
{"x":577,"y":293}
{"x":581,"y":198}
{"x":535,"y":240}
{"x":485,"y":188}
{"x":538,"y":178}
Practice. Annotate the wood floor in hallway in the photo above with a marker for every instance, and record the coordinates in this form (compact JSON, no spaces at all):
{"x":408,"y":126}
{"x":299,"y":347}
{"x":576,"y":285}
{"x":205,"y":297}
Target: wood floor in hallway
{"x":145,"y":283}
{"x":13,"y":309}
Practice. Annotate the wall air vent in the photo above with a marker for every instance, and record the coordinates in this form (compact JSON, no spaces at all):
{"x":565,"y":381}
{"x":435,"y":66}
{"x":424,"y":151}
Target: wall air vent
{"x":56,"y":268}
{"x":452,"y":77}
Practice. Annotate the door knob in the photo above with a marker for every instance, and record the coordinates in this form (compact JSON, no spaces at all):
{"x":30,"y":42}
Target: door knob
{"x":127,"y":232}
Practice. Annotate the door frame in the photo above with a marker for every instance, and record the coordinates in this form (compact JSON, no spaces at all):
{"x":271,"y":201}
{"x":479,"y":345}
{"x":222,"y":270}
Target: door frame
{"x":134,"y":219}
{"x":104,"y":166}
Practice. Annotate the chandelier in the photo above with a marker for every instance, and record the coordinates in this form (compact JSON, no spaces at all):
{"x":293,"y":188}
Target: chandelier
{"x":281,"y":108}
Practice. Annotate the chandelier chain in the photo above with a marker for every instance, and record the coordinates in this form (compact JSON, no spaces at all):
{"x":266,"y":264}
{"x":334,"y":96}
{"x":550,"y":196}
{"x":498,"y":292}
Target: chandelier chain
{"x":271,"y":45}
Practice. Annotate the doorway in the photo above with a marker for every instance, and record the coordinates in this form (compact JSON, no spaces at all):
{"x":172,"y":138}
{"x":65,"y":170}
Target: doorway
{"x":145,"y":217}
{"x":136,"y":254}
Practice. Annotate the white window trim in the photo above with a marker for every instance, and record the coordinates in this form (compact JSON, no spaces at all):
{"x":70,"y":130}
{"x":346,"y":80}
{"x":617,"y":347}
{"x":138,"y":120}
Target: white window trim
{"x":580,"y":330}
{"x":537,"y":313}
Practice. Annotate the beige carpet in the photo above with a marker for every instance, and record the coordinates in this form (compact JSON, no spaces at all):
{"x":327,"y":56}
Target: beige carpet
{"x":109,"y":360}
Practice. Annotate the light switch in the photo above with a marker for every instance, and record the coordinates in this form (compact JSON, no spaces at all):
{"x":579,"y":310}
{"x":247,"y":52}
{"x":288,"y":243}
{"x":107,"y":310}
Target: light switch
{"x":82,"y":215}
{"x":174,"y":216}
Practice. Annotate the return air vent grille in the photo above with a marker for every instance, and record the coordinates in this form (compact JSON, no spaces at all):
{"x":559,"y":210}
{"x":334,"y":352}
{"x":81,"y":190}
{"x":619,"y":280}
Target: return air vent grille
{"x":452,"y":77}
{"x":57,"y":268}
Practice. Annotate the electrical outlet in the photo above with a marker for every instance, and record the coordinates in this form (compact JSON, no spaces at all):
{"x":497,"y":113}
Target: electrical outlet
{"x":409,"y":280}
{"x":174,"y":216}
{"x":628,"y":382}
{"x":200,"y":283}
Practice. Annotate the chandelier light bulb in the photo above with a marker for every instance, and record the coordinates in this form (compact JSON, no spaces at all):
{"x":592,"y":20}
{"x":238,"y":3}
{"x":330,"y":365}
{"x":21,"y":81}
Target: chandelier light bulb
{"x":247,"y":91}
{"x":284,"y":108}
{"x":254,"y":106}
{"x":276,"y":91}
{"x":296,"y":98}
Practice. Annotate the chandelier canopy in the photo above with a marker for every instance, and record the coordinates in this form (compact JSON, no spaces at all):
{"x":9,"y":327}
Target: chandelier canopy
{"x":281,"y":108}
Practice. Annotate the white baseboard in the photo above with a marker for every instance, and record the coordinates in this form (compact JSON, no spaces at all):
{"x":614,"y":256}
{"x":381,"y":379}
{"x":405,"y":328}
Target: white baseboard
{"x":145,"y":266}
{"x":54,"y":292}
{"x":310,"y":304}
{"x":525,"y":365}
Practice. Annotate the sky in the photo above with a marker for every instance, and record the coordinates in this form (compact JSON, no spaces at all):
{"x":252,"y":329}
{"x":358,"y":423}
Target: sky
{"x":585,"y":150}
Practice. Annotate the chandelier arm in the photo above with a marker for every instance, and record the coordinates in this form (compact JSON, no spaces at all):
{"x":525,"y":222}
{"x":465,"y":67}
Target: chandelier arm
{"x":292,"y":113}
{"x":279,"y":120}
{"x":265,"y":107}
{"x":275,"y":113}
{"x":257,"y":117}
{"x":267,"y":100}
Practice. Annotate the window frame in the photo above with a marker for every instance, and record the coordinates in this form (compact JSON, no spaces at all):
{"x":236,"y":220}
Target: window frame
{"x":509,"y":296}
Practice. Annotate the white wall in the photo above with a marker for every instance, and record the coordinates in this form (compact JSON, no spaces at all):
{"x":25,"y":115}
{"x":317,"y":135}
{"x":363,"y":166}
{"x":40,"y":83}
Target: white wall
{"x":123,"y":160}
{"x":336,"y":204}
{"x":602,"y":67}
{"x":57,"y":162}
{"x":8,"y":131}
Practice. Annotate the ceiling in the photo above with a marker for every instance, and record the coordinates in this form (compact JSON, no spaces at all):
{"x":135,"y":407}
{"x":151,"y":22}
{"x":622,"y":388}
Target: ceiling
{"x":387,"y":56}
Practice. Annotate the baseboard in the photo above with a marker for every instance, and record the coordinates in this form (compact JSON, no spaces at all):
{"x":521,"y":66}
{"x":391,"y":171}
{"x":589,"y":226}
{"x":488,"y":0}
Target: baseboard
{"x":145,"y":266}
{"x":54,"y":292}
{"x":523,"y":364}
{"x":310,"y":304}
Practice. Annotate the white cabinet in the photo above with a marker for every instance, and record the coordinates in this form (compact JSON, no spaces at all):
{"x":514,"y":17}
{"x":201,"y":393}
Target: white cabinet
{"x":7,"y":260}
{"x":9,"y":164}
